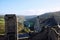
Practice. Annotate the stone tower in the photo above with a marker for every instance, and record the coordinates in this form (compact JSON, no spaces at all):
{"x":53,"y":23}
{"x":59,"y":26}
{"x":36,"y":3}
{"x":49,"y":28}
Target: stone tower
{"x":11,"y":27}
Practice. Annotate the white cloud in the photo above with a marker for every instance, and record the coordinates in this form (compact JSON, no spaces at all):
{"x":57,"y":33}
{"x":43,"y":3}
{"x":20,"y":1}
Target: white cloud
{"x":32,"y":11}
{"x":39,"y":11}
{"x":53,"y":9}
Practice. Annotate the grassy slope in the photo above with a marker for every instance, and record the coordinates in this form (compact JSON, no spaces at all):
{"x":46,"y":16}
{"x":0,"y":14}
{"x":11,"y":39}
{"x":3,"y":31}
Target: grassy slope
{"x":2,"y":27}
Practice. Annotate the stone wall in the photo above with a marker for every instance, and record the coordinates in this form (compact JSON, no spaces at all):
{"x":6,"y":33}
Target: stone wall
{"x":2,"y":37}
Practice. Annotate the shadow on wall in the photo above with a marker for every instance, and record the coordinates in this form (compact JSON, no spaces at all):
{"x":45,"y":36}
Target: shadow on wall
{"x":2,"y":37}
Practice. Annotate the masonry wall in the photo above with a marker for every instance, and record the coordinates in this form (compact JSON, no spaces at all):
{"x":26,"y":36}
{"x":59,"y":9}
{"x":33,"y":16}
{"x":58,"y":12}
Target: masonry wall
{"x":2,"y":37}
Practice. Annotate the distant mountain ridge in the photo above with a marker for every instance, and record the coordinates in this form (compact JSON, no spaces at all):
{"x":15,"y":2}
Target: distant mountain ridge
{"x":47,"y":16}
{"x":30,"y":17}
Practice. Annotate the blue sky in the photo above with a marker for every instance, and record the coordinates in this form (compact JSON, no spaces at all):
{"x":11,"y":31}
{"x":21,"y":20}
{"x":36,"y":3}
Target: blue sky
{"x":28,"y":7}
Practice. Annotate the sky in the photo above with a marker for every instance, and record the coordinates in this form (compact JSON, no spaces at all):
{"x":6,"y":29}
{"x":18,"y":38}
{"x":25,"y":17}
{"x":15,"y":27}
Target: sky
{"x":28,"y":7}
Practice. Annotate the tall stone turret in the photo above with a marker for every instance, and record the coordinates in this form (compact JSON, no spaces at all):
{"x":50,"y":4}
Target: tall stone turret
{"x":11,"y":27}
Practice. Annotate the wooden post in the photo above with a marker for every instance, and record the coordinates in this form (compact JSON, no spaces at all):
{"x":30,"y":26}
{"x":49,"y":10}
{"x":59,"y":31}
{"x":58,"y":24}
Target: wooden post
{"x":11,"y":26}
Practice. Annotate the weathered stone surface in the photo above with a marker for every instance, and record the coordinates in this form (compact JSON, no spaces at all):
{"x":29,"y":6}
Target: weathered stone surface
{"x":10,"y":27}
{"x":2,"y":37}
